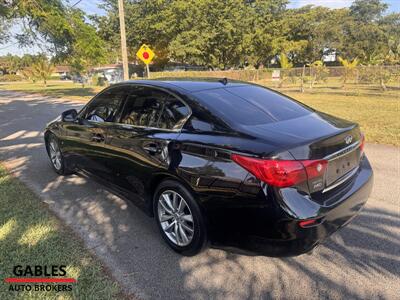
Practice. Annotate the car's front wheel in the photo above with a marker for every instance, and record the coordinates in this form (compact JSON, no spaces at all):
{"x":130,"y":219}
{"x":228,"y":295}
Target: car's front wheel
{"x":56,"y":156}
{"x":179,"y":218}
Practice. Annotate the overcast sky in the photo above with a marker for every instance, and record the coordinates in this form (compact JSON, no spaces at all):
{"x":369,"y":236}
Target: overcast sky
{"x":91,"y":7}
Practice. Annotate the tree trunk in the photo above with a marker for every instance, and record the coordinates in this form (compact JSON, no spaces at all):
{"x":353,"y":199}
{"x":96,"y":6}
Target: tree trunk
{"x":280,"y":82}
{"x":383,"y":85}
{"x":382,"y":79}
{"x":344,"y":80}
{"x":314,"y":79}
{"x":302,"y":79}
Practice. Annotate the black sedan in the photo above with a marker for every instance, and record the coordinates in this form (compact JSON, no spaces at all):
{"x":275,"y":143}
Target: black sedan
{"x":217,"y":162}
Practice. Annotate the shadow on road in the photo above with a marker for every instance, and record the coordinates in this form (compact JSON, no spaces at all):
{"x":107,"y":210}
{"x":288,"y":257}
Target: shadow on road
{"x":360,"y":261}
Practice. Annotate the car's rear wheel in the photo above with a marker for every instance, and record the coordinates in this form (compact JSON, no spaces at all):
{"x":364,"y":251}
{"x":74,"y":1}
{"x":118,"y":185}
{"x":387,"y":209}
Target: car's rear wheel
{"x":56,"y":156}
{"x":179,"y":218}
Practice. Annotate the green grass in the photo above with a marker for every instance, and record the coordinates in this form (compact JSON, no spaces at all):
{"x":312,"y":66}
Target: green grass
{"x":55,"y":88}
{"x":377,"y":112}
{"x":31,"y":235}
{"x":378,"y":116}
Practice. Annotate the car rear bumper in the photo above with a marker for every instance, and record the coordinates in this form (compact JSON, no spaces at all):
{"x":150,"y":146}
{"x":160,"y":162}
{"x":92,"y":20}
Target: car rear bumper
{"x":287,"y":238}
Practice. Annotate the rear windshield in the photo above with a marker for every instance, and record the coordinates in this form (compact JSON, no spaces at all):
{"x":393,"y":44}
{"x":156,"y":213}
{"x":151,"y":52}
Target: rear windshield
{"x":251,"y":105}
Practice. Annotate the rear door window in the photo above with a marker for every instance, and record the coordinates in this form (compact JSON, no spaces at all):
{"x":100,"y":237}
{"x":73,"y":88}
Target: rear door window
{"x":174,"y":114}
{"x":143,"y":107}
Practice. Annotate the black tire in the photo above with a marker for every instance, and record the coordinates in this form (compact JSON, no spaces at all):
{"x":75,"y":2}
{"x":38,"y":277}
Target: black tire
{"x":199,"y":238}
{"x":62,"y":169}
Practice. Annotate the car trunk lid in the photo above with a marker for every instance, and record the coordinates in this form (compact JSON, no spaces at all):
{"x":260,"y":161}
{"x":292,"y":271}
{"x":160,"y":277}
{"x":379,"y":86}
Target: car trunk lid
{"x":317,"y":136}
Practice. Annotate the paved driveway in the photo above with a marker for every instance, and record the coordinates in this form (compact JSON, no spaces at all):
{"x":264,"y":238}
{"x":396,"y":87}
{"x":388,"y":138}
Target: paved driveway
{"x":361,"y":261}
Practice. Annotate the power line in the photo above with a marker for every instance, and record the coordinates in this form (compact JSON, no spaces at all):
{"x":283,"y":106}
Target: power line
{"x":76,"y":3}
{"x":8,"y":46}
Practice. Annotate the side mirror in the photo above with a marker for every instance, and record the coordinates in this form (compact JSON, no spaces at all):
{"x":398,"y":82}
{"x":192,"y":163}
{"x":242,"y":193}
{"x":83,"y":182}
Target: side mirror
{"x":69,"y":115}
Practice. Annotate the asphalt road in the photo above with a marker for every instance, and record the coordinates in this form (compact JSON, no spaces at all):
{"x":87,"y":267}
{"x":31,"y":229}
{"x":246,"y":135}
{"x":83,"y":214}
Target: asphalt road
{"x":360,"y":261}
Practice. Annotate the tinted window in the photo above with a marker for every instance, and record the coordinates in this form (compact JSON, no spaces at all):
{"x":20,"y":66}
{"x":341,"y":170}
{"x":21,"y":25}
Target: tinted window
{"x":153,"y":108}
{"x":173,"y":114}
{"x":251,"y":105}
{"x":203,"y":121}
{"x":143,"y":107}
{"x":105,"y":106}
{"x":277,"y":106}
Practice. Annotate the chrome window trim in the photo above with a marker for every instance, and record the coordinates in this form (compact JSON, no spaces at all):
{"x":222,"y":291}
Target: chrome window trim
{"x":129,"y":126}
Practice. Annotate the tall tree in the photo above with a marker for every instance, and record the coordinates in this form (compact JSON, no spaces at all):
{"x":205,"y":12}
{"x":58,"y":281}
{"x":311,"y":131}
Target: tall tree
{"x":42,"y":69}
{"x":50,"y":23}
{"x":234,"y":33}
{"x":390,"y":25}
{"x":368,"y":10}
{"x":265,"y":35}
{"x":364,"y":38}
{"x":88,"y":48}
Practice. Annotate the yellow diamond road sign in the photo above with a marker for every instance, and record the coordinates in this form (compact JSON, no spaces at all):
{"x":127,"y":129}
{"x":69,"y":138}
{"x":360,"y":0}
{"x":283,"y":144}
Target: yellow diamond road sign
{"x":145,"y":54}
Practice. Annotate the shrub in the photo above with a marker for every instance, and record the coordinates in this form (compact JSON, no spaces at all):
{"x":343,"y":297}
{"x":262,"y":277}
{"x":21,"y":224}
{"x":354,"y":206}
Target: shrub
{"x":98,"y":80}
{"x":366,"y":74}
{"x":10,"y":77}
{"x":319,"y":72}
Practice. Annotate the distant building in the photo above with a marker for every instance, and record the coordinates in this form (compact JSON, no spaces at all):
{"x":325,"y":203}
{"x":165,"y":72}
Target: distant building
{"x":62,"y":71}
{"x":329,"y":56}
{"x":113,"y":73}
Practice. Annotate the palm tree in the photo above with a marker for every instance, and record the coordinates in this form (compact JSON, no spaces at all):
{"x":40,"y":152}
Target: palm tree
{"x":320,"y":72}
{"x":42,"y":70}
{"x":27,"y":73}
{"x":349,"y":68}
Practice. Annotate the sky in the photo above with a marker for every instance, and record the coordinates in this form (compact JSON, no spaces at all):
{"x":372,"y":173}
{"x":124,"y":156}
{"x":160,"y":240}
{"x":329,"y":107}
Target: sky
{"x":91,"y":7}
{"x":394,"y":5}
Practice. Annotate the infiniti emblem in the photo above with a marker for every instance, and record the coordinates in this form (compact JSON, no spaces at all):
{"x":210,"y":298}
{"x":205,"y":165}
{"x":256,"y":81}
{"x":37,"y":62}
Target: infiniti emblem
{"x":348,"y":139}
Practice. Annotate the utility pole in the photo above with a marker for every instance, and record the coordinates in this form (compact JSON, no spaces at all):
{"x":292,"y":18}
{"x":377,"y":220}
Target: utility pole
{"x":123,"y":39}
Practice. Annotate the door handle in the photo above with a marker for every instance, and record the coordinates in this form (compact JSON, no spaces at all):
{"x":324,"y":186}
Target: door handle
{"x":152,"y":149}
{"x":98,"y":138}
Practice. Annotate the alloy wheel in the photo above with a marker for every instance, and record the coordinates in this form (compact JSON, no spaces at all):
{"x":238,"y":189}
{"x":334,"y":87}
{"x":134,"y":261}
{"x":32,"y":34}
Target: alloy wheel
{"x":175,"y":218}
{"x":55,"y":154}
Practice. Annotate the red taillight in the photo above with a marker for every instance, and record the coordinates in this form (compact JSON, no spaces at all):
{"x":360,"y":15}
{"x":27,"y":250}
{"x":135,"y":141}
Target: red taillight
{"x":282,"y":173}
{"x":362,"y":143}
{"x":307,"y":223}
{"x":314,"y":168}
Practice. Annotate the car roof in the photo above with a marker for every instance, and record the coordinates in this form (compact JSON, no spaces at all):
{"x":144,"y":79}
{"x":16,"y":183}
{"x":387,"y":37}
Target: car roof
{"x":190,"y":84}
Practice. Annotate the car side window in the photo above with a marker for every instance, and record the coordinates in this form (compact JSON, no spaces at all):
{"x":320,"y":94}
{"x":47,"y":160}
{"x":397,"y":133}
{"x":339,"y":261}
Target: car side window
{"x":148,"y":107}
{"x":174,"y":114}
{"x":105,"y":106}
{"x":142,"y":107}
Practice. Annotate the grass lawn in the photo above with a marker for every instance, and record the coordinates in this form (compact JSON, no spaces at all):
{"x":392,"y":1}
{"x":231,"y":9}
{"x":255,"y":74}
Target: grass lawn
{"x":377,"y":112}
{"x":65,"y":89}
{"x":379,"y":117}
{"x":31,"y":235}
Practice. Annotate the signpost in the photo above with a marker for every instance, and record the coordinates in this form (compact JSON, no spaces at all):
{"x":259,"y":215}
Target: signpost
{"x":146,"y":55}
{"x":123,"y":39}
{"x":276,"y":75}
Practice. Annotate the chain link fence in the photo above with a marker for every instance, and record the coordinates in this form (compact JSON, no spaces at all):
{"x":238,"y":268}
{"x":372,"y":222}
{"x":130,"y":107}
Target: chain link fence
{"x":307,"y":78}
